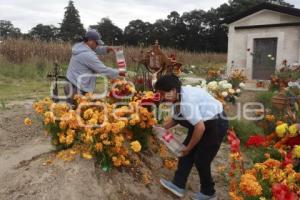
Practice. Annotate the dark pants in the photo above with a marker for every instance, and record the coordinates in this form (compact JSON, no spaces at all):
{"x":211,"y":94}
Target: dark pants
{"x":70,"y":91}
{"x":202,"y":155}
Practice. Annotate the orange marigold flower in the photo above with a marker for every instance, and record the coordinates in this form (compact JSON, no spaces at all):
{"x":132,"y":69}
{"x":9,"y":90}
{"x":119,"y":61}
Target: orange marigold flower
{"x":250,"y":186}
{"x":235,"y":196}
{"x":27,"y":121}
{"x":136,"y":146}
{"x":87,"y":155}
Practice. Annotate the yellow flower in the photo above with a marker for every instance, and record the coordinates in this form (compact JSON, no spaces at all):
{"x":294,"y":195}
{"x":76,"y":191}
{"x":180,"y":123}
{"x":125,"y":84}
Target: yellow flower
{"x":49,"y":118}
{"x":281,"y":130}
{"x":93,"y":121}
{"x":126,"y":162}
{"x":63,"y":124}
{"x":27,"y":121}
{"x":270,"y":118}
{"x":87,"y":155}
{"x":88,"y":113}
{"x":69,"y":139}
{"x":136,"y":146}
{"x":106,"y":142}
{"x":38,"y":107}
{"x":296,"y":151}
{"x":116,"y":162}
{"x":293,"y":130}
{"x":62,"y":138}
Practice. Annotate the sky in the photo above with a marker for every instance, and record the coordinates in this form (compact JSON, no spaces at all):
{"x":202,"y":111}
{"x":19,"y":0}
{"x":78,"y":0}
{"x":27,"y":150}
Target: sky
{"x":26,"y":14}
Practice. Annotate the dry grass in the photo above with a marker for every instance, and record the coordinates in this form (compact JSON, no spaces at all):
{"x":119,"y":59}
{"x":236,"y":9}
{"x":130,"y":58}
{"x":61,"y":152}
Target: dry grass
{"x":24,"y":65}
{"x":25,"y":51}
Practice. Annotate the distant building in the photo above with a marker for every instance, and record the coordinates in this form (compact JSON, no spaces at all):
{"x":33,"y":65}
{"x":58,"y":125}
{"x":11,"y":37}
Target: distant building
{"x":263,"y":37}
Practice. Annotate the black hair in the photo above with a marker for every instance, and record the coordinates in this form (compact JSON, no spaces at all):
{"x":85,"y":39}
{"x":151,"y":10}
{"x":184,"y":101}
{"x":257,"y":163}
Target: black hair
{"x":167,"y":83}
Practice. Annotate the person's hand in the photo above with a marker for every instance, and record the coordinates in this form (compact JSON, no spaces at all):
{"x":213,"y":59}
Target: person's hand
{"x":185,"y":151}
{"x":113,"y":48}
{"x":122,"y":73}
{"x":169,"y":123}
{"x":110,"y":49}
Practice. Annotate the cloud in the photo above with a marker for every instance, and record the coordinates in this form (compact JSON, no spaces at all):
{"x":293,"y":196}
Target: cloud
{"x":25,"y":14}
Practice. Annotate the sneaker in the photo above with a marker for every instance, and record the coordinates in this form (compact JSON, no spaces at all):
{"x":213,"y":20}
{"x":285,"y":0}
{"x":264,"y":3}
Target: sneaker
{"x":201,"y":196}
{"x":172,"y":187}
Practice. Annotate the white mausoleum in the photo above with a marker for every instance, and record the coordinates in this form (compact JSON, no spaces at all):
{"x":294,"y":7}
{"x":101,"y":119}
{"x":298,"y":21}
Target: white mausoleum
{"x":261,"y":38}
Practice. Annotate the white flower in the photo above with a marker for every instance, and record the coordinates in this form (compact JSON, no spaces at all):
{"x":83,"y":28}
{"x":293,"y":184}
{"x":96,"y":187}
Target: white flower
{"x":224,"y":94}
{"x":294,"y":84}
{"x":212,"y":85}
{"x":227,"y":86}
{"x":231,"y":91}
{"x":269,"y":55}
{"x":193,"y":66}
{"x":203,"y":83}
{"x":238,"y":91}
{"x":291,"y":84}
{"x":223,"y":82}
{"x":242,"y":85}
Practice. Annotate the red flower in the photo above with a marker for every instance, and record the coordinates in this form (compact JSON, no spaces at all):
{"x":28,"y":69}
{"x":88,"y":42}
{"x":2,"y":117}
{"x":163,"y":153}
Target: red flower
{"x":231,"y":136}
{"x":139,"y":81}
{"x":256,"y":140}
{"x":293,"y":141}
{"x":281,"y":192}
{"x":234,"y":141}
{"x":156,"y":97}
{"x":288,"y":159}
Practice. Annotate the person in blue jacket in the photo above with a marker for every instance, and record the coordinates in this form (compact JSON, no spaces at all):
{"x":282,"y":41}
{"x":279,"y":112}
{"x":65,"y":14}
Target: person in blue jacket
{"x":85,"y":64}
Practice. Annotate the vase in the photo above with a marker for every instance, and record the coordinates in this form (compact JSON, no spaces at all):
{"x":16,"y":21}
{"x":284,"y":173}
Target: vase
{"x":280,"y":100}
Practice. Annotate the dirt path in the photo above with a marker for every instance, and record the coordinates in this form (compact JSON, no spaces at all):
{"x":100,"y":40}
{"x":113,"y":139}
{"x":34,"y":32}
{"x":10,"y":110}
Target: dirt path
{"x":24,"y":174}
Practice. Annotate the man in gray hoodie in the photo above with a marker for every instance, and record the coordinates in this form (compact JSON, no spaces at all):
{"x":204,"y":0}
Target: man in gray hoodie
{"x":85,"y":64}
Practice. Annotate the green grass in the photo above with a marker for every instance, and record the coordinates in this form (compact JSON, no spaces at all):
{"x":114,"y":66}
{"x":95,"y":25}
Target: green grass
{"x":18,"y":90}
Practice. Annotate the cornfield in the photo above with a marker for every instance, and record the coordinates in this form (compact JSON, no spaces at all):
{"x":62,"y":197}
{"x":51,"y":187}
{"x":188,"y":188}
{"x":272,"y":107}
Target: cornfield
{"x":36,"y":54}
{"x":22,"y":51}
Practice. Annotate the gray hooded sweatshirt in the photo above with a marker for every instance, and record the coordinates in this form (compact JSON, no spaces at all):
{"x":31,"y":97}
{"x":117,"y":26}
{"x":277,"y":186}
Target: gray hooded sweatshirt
{"x":85,"y":64}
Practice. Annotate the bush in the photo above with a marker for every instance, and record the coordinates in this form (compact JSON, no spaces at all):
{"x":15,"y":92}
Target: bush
{"x":266,"y":98}
{"x":257,"y":154}
{"x":244,"y":129}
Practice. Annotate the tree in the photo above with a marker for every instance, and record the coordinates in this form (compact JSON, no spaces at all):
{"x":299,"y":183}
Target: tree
{"x":177,"y":30}
{"x":196,"y":30}
{"x":7,"y":29}
{"x":236,"y":6}
{"x":44,"y":32}
{"x":111,"y":34}
{"x":71,"y":27}
{"x":138,"y":32}
{"x":159,"y":31}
